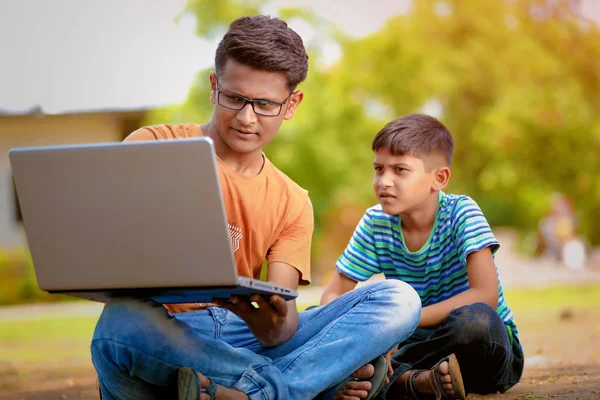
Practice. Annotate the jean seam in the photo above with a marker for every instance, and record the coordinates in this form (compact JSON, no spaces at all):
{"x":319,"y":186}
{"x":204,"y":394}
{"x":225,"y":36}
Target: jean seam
{"x":112,"y":341}
{"x":366,"y":296}
{"x":260,"y":390}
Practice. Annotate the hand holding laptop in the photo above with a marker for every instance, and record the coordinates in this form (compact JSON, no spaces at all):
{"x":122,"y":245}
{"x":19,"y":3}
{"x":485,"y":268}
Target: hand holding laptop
{"x":265,"y":320}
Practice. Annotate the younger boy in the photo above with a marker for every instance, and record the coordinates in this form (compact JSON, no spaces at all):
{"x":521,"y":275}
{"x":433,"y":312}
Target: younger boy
{"x":442,"y":245}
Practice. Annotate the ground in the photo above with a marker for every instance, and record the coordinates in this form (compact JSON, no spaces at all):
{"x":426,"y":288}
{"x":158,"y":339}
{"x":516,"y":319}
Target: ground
{"x":559,"y":329}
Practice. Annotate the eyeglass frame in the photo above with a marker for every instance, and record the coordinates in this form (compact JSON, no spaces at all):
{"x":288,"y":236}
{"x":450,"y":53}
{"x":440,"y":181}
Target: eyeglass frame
{"x":250,"y":101}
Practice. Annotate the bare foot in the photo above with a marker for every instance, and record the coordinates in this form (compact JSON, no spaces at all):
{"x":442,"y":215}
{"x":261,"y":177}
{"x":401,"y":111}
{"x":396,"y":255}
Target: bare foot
{"x":423,"y":380}
{"x":223,"y":393}
{"x":357,"y":389}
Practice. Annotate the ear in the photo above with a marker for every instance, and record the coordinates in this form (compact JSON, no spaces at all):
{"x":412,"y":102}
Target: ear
{"x":213,"y":87}
{"x":293,"y":102}
{"x":441,"y":178}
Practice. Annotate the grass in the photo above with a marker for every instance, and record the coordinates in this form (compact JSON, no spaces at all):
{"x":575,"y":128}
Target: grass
{"x":553,"y":297}
{"x":55,"y":340}
{"x":46,"y":340}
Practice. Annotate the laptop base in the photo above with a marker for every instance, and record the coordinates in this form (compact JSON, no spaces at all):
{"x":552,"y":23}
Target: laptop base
{"x":171,"y":295}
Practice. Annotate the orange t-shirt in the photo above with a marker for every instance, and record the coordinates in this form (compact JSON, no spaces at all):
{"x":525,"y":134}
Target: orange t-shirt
{"x":269,"y":215}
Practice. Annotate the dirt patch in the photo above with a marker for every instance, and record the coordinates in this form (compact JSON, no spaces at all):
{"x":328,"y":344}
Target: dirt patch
{"x":562,"y":349}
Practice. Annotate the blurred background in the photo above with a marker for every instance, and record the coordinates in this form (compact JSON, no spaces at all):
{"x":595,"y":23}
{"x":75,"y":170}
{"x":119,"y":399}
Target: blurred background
{"x":517,"y":82}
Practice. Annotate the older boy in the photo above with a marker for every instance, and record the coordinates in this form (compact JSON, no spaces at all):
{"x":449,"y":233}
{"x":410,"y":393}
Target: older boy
{"x":142,"y":350}
{"x":442,"y":245}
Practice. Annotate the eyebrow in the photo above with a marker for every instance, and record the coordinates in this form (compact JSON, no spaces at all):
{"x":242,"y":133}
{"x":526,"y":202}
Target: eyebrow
{"x":246,"y":97}
{"x":403,"y":165}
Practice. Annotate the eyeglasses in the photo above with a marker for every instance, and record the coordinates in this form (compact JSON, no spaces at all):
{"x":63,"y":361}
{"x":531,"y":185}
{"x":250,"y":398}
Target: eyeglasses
{"x":233,"y":101}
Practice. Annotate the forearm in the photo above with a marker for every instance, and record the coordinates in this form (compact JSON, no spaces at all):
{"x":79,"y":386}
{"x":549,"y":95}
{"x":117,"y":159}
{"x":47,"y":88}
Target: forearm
{"x":337,"y":286}
{"x":328,"y":296}
{"x":436,"y":313}
{"x":279,"y":336}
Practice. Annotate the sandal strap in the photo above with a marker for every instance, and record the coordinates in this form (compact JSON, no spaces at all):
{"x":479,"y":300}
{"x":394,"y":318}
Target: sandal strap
{"x":211,"y":390}
{"x":410,"y":385}
{"x":438,"y":386}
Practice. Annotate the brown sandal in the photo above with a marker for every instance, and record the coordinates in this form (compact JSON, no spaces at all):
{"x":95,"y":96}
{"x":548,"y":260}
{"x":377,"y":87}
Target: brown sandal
{"x":439,"y":392}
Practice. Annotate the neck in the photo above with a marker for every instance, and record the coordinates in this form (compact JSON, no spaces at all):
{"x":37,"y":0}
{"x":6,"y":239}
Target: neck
{"x":248,"y":164}
{"x":422,"y":218}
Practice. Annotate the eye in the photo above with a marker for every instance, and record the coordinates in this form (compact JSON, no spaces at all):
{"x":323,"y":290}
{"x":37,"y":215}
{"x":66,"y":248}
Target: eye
{"x":378,"y":168}
{"x":266,"y":104}
{"x":233,"y":98}
{"x":400,"y":169}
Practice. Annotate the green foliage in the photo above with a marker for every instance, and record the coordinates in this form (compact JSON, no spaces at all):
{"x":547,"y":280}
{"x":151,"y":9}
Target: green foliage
{"x":17,"y":280}
{"x":518,"y":94}
{"x":518,"y":83}
{"x":213,"y":17}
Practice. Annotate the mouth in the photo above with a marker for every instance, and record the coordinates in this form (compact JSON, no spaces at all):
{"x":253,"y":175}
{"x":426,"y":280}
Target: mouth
{"x":244,"y":132}
{"x":386,"y":196}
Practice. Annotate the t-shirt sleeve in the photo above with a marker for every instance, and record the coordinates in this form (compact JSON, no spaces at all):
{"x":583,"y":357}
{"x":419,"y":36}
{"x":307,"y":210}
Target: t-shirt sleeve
{"x":164,"y":132}
{"x":471,"y":230}
{"x":359,"y":260}
{"x":141,"y":134}
{"x":293,"y":245}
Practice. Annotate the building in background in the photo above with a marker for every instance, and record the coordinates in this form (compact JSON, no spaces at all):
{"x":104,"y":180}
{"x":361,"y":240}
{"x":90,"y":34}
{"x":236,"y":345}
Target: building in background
{"x":34,"y":128}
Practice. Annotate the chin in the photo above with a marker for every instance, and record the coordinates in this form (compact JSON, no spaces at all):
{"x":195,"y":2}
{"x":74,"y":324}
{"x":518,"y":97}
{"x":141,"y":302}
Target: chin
{"x":391,"y":210}
{"x":244,"y":147}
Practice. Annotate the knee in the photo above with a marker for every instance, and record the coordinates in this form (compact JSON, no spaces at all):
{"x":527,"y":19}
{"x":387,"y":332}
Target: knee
{"x":404,"y":303}
{"x":474,"y":323}
{"x":123,"y":320}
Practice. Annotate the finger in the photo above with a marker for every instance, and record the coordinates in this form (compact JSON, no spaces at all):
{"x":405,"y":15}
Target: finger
{"x":244,"y":304}
{"x":261,"y":302}
{"x":364,"y":372}
{"x":342,"y":396}
{"x":354,"y":394}
{"x":358,"y":385}
{"x":279,"y":304}
{"x":228,"y":305}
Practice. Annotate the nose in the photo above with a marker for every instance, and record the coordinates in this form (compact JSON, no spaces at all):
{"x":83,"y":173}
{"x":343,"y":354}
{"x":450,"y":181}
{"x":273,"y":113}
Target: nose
{"x":246,"y":115}
{"x":384,"y":181}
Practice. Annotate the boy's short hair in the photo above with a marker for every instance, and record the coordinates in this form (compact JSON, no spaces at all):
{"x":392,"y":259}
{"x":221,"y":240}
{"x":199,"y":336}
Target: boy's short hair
{"x":417,"y":135}
{"x":267,"y":44}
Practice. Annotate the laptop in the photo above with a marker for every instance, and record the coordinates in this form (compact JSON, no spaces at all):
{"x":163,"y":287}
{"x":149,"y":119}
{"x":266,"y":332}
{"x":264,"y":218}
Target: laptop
{"x":135,"y":219}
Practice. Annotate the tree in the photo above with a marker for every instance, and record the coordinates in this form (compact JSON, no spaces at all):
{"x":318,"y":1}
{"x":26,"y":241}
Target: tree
{"x":518,"y":83}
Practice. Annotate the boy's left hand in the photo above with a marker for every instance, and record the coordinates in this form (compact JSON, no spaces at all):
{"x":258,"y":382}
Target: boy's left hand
{"x":388,"y":357}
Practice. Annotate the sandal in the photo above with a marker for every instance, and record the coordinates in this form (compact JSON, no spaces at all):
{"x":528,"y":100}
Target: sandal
{"x":377,"y":381}
{"x":437,"y":385}
{"x":188,"y":385}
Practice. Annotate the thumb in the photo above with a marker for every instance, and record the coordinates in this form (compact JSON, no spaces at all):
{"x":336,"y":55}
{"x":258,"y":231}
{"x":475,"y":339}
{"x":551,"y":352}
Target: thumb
{"x":279,"y":304}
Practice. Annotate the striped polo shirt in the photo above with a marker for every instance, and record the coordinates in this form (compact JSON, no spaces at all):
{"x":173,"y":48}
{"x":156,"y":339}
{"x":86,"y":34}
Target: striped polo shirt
{"x":438,"y":271}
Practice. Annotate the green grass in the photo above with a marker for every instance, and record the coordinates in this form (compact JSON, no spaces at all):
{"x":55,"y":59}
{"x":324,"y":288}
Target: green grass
{"x":46,"y":340}
{"x":553,"y":297}
{"x":67,"y":339}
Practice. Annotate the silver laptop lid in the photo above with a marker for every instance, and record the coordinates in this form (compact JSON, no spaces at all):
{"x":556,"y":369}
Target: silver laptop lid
{"x":124,"y":215}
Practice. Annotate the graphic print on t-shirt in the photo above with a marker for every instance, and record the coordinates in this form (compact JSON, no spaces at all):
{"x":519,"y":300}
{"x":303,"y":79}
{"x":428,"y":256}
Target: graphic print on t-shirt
{"x":235,"y":235}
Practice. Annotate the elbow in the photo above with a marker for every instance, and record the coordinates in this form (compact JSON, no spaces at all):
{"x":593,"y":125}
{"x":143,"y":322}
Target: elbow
{"x":492,"y":299}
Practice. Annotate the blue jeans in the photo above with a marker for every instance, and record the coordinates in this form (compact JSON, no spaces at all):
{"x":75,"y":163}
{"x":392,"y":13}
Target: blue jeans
{"x":138,"y":347}
{"x":489,"y":362}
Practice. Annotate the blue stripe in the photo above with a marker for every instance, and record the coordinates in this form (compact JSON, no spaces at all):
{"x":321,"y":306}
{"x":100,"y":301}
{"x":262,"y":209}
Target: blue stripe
{"x":438,"y":271}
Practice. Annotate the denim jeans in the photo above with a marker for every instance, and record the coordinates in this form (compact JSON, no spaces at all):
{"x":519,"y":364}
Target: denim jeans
{"x":480,"y":340}
{"x":138,"y":347}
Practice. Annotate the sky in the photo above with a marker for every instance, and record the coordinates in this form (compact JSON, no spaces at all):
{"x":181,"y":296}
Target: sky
{"x":75,"y":55}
